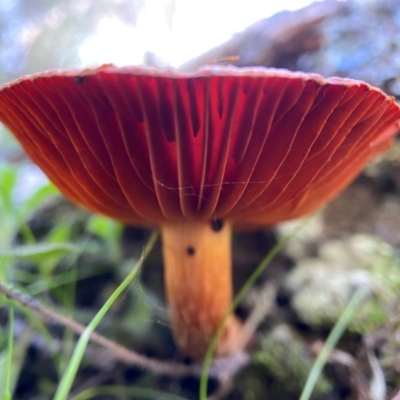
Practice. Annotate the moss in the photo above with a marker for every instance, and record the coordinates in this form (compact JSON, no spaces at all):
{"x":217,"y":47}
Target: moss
{"x":321,"y":288}
{"x":283,"y":357}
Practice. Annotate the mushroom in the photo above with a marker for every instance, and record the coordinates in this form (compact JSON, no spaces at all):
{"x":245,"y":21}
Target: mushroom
{"x":198,"y":154}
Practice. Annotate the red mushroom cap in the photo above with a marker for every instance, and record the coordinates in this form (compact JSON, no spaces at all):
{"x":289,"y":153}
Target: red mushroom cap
{"x":146,"y":145}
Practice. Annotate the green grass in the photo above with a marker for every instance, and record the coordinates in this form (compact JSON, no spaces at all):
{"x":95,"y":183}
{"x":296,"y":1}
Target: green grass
{"x":72,"y":368}
{"x":332,"y":340}
{"x":10,"y":350}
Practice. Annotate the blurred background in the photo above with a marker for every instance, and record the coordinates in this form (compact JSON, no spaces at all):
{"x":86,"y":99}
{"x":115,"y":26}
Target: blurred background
{"x":71,"y":260}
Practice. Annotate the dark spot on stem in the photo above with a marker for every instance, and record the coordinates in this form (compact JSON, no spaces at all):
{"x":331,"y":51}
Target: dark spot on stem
{"x":217,"y":225}
{"x":191,"y":250}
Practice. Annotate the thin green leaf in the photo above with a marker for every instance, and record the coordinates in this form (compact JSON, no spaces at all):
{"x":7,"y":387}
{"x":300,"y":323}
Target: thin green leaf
{"x":106,"y":228}
{"x":333,"y":338}
{"x":37,"y":198}
{"x":70,"y":373}
{"x":37,"y":325}
{"x":11,"y":360}
{"x":38,"y":252}
{"x":13,"y":220}
{"x":10,"y":350}
{"x":8,"y":179}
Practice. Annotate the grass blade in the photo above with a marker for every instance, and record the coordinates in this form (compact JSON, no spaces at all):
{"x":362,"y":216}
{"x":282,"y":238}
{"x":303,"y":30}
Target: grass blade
{"x":332,"y":341}
{"x":72,"y":368}
{"x":10,"y":351}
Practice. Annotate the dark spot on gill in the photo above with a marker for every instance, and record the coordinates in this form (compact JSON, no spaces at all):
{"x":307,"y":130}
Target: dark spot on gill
{"x":217,"y":225}
{"x":194,"y":88}
{"x":166,"y":104}
{"x":220,"y":97}
{"x":191,"y":251}
{"x":79,"y":80}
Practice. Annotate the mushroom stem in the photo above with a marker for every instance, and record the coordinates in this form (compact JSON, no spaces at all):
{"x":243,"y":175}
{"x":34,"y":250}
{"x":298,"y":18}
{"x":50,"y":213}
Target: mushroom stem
{"x":197,"y":258}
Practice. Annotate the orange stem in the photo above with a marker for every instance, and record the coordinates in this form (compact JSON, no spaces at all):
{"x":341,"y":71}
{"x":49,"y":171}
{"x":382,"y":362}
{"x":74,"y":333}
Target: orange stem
{"x":197,"y":258}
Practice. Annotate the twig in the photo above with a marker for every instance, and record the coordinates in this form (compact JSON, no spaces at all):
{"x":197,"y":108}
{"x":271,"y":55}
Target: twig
{"x":121,"y":353}
{"x":264,"y":303}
